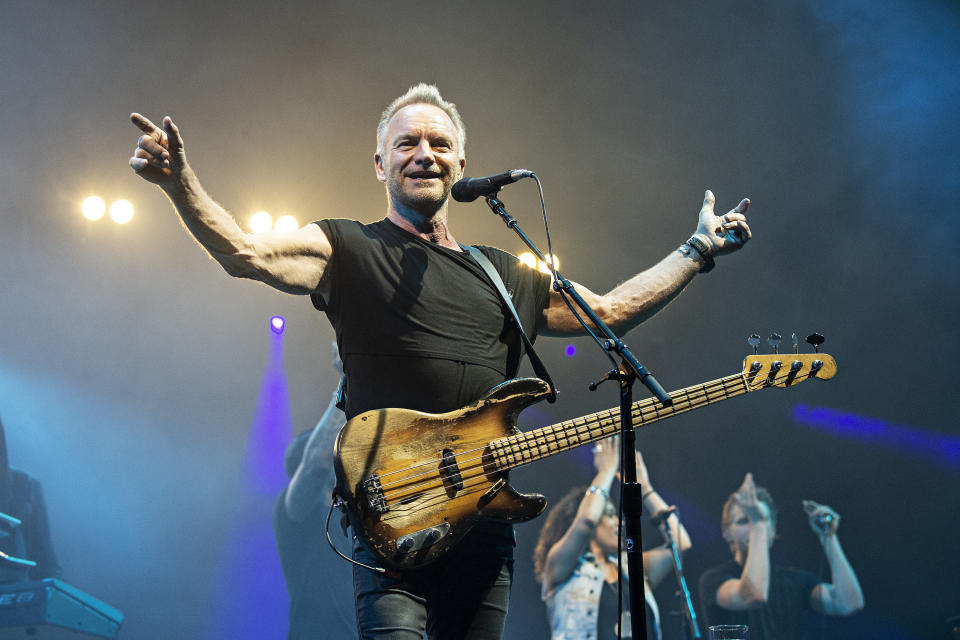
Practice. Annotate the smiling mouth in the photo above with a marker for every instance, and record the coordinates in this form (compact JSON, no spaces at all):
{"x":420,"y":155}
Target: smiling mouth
{"x":423,"y":175}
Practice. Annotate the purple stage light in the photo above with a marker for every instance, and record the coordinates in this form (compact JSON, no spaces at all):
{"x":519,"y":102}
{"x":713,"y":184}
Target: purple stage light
{"x":277,"y":323}
{"x":570,"y":350}
{"x":937,"y":447}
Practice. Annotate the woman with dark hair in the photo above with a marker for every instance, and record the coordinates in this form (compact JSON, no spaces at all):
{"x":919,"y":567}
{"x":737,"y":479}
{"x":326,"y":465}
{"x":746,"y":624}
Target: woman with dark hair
{"x":21,"y":497}
{"x":575,"y":559}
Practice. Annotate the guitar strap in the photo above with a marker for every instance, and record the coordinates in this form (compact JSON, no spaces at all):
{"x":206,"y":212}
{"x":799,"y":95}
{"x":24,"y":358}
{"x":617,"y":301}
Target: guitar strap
{"x":497,"y":281}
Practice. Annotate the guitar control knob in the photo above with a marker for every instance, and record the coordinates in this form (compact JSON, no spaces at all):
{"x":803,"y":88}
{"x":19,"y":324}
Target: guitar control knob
{"x":404,"y":544}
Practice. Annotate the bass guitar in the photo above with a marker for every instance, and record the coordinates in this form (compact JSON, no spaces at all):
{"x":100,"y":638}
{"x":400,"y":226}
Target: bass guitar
{"x":413,"y":483}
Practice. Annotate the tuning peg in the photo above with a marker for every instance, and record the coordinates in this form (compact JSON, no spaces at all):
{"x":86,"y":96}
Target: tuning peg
{"x":796,"y":342}
{"x":815,"y":340}
{"x":774,"y":341}
{"x":754,"y":341}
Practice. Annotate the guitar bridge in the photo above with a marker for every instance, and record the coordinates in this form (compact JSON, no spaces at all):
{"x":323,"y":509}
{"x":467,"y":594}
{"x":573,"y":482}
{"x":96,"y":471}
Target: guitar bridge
{"x":374,"y":493}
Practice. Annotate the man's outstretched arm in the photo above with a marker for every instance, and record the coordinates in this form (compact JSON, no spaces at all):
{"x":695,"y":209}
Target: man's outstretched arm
{"x":643,"y":295}
{"x":293,"y":262}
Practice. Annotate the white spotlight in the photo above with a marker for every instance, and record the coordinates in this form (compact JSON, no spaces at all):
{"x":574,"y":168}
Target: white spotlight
{"x":121,"y":211}
{"x":531,"y":261}
{"x":260,"y":221}
{"x":544,"y":267}
{"x":528,"y":259}
{"x":286,"y":223}
{"x":93,"y":208}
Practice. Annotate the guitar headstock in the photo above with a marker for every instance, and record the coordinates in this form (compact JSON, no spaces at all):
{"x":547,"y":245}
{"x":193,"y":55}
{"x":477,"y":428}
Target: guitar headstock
{"x":786,"y":369}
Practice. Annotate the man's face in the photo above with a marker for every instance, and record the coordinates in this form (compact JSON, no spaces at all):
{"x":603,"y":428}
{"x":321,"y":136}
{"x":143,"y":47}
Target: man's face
{"x":738,"y":532}
{"x":420,"y":157}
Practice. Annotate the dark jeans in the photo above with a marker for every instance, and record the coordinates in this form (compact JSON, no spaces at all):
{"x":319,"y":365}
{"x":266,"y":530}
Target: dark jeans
{"x":464,"y":595}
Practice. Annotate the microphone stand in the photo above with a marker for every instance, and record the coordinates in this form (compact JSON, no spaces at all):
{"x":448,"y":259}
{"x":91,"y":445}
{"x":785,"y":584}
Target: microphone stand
{"x":628,"y":372}
{"x":690,"y":616}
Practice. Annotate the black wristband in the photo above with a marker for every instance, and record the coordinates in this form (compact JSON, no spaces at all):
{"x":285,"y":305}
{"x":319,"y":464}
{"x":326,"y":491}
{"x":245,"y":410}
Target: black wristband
{"x":704,"y":251}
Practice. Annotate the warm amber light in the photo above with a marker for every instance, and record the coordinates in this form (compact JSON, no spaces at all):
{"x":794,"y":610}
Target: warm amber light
{"x":93,"y":208}
{"x":261,"y":221}
{"x":286,"y":223}
{"x":121,"y":211}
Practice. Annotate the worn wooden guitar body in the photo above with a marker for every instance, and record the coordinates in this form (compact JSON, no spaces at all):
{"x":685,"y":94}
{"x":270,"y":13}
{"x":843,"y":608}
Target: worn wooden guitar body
{"x":436,"y":473}
{"x":414,"y":483}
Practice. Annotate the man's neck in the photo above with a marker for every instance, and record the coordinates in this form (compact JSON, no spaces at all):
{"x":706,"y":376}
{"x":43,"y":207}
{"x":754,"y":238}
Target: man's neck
{"x":432,"y":228}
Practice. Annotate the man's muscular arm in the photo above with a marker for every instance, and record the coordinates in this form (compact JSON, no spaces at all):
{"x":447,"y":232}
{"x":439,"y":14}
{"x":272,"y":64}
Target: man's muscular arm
{"x":642,"y":296}
{"x":293,"y":262}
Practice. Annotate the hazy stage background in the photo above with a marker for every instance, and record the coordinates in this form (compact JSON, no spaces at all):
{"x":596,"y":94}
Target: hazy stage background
{"x":135,"y":375}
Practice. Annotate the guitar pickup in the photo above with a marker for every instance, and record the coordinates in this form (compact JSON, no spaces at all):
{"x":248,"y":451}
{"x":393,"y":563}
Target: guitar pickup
{"x":450,"y":472}
{"x":373,"y":491}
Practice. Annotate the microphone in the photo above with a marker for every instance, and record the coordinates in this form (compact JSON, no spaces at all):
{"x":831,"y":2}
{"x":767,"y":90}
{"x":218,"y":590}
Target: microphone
{"x":469,"y":189}
{"x":662,"y":515}
{"x":823,"y":522}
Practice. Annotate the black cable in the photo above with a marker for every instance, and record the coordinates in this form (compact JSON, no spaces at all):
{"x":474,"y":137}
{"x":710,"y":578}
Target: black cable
{"x":336,"y":503}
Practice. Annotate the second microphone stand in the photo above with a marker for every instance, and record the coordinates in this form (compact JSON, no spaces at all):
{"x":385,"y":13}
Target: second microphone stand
{"x":690,"y":615}
{"x":628,"y":372}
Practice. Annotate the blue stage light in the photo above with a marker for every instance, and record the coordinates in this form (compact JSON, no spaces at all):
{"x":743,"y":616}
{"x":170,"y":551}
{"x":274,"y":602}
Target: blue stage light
{"x":277,"y":323}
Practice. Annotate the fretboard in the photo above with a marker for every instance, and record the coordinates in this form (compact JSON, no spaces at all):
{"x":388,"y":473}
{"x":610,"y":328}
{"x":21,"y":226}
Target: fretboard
{"x":529,"y":446}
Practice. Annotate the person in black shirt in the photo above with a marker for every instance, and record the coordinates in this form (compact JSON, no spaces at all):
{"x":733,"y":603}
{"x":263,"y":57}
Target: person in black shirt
{"x":417,"y":326}
{"x":768,"y":598}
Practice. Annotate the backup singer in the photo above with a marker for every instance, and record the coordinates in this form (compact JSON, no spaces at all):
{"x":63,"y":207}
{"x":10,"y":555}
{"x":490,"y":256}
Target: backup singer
{"x":769,"y":598}
{"x":575,"y":559}
{"x":418,"y":323}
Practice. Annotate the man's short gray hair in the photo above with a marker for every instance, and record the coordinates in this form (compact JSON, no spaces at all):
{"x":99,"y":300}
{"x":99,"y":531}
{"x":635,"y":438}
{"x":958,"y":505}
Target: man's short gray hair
{"x":422,"y":94}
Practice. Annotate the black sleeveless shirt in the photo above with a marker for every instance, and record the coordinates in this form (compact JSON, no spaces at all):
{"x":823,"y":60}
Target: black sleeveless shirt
{"x":420,"y":326}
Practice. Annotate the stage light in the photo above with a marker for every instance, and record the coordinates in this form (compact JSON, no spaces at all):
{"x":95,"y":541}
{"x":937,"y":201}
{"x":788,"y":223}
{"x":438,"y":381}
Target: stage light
{"x":277,"y":324}
{"x":528,"y":259}
{"x":544,"y":267}
{"x":260,"y":221}
{"x":93,"y":208}
{"x":570,"y":351}
{"x":938,"y":447}
{"x":286,"y":223}
{"x":121,"y":211}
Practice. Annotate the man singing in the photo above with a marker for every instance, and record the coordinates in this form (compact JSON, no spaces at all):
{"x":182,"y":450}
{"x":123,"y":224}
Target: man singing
{"x":418,"y":323}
